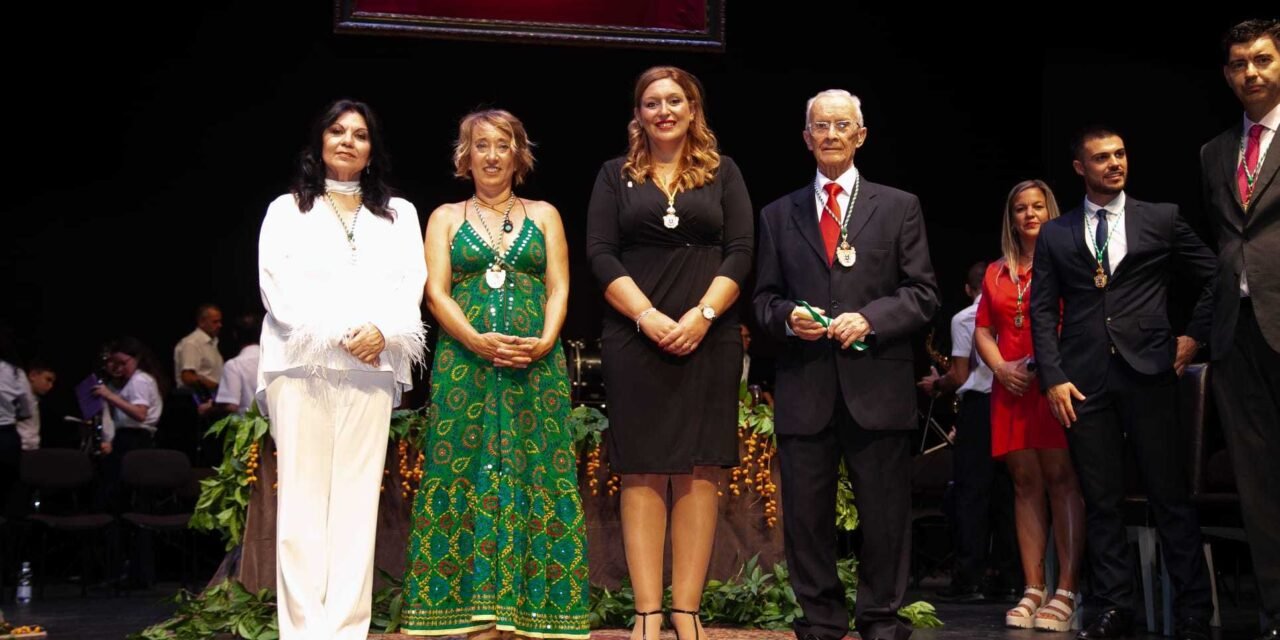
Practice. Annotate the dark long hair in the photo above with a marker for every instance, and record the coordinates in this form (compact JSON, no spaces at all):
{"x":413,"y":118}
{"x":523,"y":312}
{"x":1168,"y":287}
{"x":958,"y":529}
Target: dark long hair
{"x":146,"y":360}
{"x":308,"y":183}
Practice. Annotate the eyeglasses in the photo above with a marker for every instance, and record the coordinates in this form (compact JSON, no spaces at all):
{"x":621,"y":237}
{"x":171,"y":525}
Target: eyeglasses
{"x":822,"y":127}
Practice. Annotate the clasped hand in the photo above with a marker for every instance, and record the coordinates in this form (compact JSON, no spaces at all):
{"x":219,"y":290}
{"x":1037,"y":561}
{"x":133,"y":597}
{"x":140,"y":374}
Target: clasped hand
{"x":366,"y":343}
{"x":509,"y":351}
{"x":846,"y":328}
{"x":677,"y":338}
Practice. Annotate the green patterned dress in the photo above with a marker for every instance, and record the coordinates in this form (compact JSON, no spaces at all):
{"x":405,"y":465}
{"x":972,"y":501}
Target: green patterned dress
{"x":498,"y":536}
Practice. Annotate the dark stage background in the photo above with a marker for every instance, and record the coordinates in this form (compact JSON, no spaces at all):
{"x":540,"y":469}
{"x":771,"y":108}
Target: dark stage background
{"x":144,"y":143}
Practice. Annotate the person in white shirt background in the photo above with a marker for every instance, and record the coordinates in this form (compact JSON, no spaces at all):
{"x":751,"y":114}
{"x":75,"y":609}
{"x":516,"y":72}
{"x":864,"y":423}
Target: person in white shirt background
{"x":197,"y":363}
{"x":13,"y":408}
{"x":341,"y":272}
{"x":39,"y":382}
{"x":981,"y":487}
{"x":135,"y":399}
{"x":240,"y":374}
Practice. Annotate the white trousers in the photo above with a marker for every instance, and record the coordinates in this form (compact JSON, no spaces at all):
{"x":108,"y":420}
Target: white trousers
{"x":330,"y":430}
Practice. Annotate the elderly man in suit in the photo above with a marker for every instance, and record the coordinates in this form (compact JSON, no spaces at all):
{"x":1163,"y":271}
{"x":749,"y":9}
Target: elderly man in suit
{"x":844,"y":280}
{"x":1242,"y":197}
{"x":1103,"y":271}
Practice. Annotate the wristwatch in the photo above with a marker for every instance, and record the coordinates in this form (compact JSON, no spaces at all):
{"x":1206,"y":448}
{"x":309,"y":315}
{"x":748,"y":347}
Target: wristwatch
{"x":708,"y":312}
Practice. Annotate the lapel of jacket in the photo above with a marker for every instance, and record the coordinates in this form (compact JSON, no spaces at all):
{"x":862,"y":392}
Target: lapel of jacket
{"x":1075,"y":220}
{"x":804,"y":211}
{"x":864,"y":208}
{"x":1228,"y":159}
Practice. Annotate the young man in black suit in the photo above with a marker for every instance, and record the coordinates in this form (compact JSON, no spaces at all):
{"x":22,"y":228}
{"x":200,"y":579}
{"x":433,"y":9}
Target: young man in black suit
{"x":1112,"y":372}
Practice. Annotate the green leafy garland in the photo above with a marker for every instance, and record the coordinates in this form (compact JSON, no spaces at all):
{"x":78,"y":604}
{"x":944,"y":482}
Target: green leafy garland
{"x":224,"y":496}
{"x":224,"y":608}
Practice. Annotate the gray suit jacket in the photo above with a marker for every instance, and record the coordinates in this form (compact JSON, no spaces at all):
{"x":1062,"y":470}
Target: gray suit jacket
{"x":1248,"y":239}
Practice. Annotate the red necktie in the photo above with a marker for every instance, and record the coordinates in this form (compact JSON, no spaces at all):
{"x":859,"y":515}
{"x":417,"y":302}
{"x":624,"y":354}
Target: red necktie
{"x":831,"y":221}
{"x":1250,"y":165}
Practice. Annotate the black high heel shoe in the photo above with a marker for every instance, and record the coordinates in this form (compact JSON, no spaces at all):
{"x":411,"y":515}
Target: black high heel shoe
{"x":644,"y":622}
{"x":696,"y":619}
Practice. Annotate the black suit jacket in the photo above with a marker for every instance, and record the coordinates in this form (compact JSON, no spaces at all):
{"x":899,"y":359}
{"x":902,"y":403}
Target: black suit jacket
{"x":1132,"y":312}
{"x":1248,"y":239}
{"x":891,"y":284}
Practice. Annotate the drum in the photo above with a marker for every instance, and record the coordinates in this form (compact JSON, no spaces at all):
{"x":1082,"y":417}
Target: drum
{"x":586,"y":378}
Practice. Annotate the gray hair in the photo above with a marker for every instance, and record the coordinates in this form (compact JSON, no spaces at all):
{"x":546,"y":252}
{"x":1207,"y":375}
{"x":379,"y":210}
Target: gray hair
{"x":834,"y":93}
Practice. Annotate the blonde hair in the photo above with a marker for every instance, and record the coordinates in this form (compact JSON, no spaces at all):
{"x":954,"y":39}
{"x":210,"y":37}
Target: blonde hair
{"x":1010,"y":243}
{"x":503,"y":121}
{"x":700,"y":158}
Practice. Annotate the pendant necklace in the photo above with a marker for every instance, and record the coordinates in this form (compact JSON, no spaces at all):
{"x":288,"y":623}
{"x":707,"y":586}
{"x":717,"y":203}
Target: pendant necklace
{"x":671,"y":220}
{"x":348,"y":232}
{"x":496,"y":275}
{"x":1018,"y":319}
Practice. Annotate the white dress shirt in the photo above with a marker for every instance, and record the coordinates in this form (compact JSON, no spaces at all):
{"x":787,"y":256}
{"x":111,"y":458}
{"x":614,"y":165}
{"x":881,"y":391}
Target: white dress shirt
{"x":13,"y":396}
{"x":315,"y":293}
{"x":140,"y":389}
{"x":1270,"y":123}
{"x":240,"y":379}
{"x":846,"y":181}
{"x":29,"y":427}
{"x":1119,"y":243}
{"x":962,"y":326}
{"x":198,"y":352}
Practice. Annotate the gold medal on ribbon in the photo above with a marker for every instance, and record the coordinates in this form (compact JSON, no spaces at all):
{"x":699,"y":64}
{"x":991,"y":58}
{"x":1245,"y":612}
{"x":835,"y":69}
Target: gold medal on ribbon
{"x":671,"y":220}
{"x":846,"y":254}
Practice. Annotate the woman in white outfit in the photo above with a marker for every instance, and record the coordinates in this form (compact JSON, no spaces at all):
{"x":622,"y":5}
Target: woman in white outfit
{"x":341,"y":270}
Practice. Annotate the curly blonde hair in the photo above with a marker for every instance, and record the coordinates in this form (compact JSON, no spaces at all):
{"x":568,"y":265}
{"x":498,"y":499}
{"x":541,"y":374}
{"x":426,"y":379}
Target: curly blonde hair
{"x":503,"y":121}
{"x":700,"y":158}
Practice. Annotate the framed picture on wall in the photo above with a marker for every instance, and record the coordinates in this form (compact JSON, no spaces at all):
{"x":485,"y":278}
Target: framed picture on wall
{"x":650,"y":24}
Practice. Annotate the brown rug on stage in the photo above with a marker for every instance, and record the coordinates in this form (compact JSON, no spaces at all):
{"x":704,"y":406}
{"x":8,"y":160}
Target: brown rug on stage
{"x":623,"y":634}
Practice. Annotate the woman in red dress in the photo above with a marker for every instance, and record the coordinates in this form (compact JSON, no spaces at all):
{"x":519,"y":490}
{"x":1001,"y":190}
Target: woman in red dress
{"x":1023,"y":431}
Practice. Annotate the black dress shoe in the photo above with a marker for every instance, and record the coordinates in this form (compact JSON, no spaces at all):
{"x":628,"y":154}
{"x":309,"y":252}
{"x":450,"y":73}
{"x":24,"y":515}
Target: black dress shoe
{"x":1113,"y":623}
{"x":1192,"y":629}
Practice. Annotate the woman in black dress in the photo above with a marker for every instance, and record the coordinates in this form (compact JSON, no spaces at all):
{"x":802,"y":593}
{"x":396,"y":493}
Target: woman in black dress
{"x":669,"y":236}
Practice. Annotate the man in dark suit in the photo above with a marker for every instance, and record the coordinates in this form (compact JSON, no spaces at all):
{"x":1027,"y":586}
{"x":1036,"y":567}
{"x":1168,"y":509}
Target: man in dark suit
{"x":1112,"y":373}
{"x":1242,"y":197}
{"x":857,"y":252}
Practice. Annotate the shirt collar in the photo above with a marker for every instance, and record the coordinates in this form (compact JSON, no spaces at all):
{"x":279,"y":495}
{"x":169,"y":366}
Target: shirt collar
{"x":1115,"y":207}
{"x":845,"y":180}
{"x":1271,"y":121}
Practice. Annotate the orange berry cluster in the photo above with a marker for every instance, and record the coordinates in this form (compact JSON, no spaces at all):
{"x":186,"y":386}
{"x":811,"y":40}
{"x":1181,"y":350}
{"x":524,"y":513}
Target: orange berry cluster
{"x":754,"y":472}
{"x":593,"y":465}
{"x":410,"y":474}
{"x":251,"y":465}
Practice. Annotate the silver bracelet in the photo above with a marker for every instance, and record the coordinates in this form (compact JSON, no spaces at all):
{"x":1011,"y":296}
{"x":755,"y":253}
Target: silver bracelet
{"x":642,"y":315}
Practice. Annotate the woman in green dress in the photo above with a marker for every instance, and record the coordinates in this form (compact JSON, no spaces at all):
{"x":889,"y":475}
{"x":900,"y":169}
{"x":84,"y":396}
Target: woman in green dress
{"x":498,"y":547}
